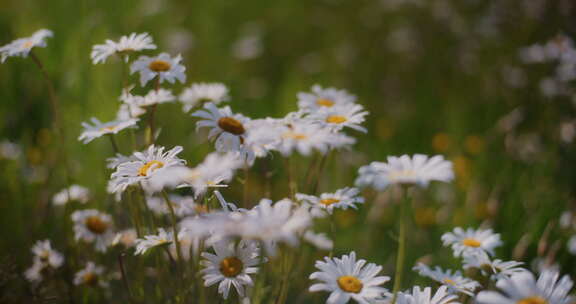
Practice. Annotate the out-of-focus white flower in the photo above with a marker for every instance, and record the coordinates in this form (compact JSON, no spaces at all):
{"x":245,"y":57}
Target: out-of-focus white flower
{"x":470,"y":241}
{"x":23,"y":46}
{"x":44,"y":258}
{"x":150,"y":241}
{"x":99,"y":129}
{"x":226,"y":127}
{"x":231,"y":265}
{"x":572,"y":245}
{"x":142,"y":166}
{"x":127,"y":44}
{"x":163,"y":66}
{"x":74,"y":193}
{"x":93,"y":226}
{"x":416,"y":170}
{"x":425,"y":296}
{"x":153,"y":97}
{"x":306,"y":137}
{"x":319,"y":240}
{"x":9,"y":150}
{"x":495,"y":269}
{"x":199,"y":93}
{"x":346,"y":278}
{"x":524,"y":288}
{"x":337,"y":118}
{"x":342,"y":198}
{"x":115,"y":161}
{"x":323,"y":98}
{"x":91,"y":275}
{"x":125,"y":237}
{"x":453,"y":280}
{"x":183,"y":205}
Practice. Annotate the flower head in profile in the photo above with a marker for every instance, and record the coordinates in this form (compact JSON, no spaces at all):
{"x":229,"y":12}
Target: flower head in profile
{"x":495,"y":269}
{"x":523,"y":288}
{"x":142,"y":166}
{"x":470,"y":241}
{"x":150,"y":241}
{"x":153,"y":97}
{"x":347,"y":278}
{"x":231,"y":265}
{"x":44,"y":258}
{"x":91,"y":275}
{"x":127,"y":44}
{"x":74,"y":193}
{"x":416,"y":170}
{"x":199,"y":93}
{"x":343,"y":198}
{"x":305,"y":137}
{"x":93,"y":226}
{"x":163,"y":66}
{"x":98,"y":129}
{"x":425,"y":296}
{"x":339,"y":117}
{"x":23,"y":46}
{"x":183,"y":205}
{"x":228,"y":129}
{"x":321,"y":98}
{"x":318,"y":240}
{"x":454,"y":281}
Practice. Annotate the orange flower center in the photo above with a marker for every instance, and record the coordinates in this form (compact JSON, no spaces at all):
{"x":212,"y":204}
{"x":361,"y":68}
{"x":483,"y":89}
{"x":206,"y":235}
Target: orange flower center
{"x":336,"y":119}
{"x":159,"y":66}
{"x":448,"y":281}
{"x":329,"y":201}
{"x":532,"y":300}
{"x":471,"y":243}
{"x":231,"y":266}
{"x":28,"y":44}
{"x":296,"y":136}
{"x":350,"y":284}
{"x":108,"y":129}
{"x":96,"y":225}
{"x":231,"y":125}
{"x":151,"y":165}
{"x":90,"y":278}
{"x":323,"y":102}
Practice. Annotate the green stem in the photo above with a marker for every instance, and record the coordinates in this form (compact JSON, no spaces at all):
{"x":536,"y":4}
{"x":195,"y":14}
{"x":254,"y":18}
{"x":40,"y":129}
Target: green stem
{"x":401,"y":246}
{"x":174,"y":226}
{"x":114,"y":144}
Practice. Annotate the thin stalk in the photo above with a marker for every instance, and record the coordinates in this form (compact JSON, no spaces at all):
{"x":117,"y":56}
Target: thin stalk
{"x":114,"y":144}
{"x":246,"y":185}
{"x":291,"y":183}
{"x":134,"y":211}
{"x":285,"y":278}
{"x":316,"y":181}
{"x":174,"y":224}
{"x":124,"y":277}
{"x":401,"y":245}
{"x":151,"y":117}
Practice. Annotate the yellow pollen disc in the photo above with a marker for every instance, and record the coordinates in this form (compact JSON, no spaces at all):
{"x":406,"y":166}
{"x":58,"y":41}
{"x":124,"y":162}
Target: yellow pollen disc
{"x":231,"y":125}
{"x":153,"y":164}
{"x":200,"y":209}
{"x":159,"y":66}
{"x":448,"y":281}
{"x":336,"y":119}
{"x":231,"y":266}
{"x":350,"y":284}
{"x":96,"y":225}
{"x":471,"y":243}
{"x":90,"y":279}
{"x":329,"y":201}
{"x":323,"y":102}
{"x":532,"y":300}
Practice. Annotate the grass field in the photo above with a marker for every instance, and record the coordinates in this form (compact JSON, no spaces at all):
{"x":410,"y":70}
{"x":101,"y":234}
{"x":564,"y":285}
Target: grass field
{"x":437,"y":77}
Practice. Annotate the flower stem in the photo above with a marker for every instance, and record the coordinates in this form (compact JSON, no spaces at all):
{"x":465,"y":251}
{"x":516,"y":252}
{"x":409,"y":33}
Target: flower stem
{"x":401,"y":246}
{"x":114,"y":144}
{"x":124,"y":277}
{"x":176,"y":241}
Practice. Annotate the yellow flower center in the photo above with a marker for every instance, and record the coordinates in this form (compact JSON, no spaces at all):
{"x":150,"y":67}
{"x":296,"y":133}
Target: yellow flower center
{"x":96,"y":225}
{"x":151,"y":165}
{"x":336,"y":119}
{"x":296,"y":136}
{"x":159,"y":66}
{"x":108,"y":129}
{"x":350,"y":284}
{"x":231,"y":266}
{"x":329,"y":201}
{"x":448,"y":281}
{"x":231,"y":125}
{"x":402,"y":174}
{"x":28,"y":44}
{"x":323,"y":102}
{"x":90,"y":278}
{"x":471,"y":243}
{"x":532,"y":300}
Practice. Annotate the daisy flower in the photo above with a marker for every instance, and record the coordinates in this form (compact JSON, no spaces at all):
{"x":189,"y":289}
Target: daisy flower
{"x":305,"y":137}
{"x":43,"y":251}
{"x":231,"y":265}
{"x":416,"y":170}
{"x":226,"y":127}
{"x":323,"y":98}
{"x":115,"y":161}
{"x":453,"y":280}
{"x":23,"y":46}
{"x":127,"y":44}
{"x":425,"y":296}
{"x":342,"y":198}
{"x":153,"y":97}
{"x":34,"y":273}
{"x":125,"y":237}
{"x":150,"y":241}
{"x":495,"y":269}
{"x":74,"y":193}
{"x":93,"y":226}
{"x":338,"y":117}
{"x":523,"y":288}
{"x":143,"y":166}
{"x":345,"y":279}
{"x":464,"y":242}
{"x":318,"y":240}
{"x":91,"y":275}
{"x":99,"y":129}
{"x":183,"y":205}
{"x":199,"y":93}
{"x":163,"y":66}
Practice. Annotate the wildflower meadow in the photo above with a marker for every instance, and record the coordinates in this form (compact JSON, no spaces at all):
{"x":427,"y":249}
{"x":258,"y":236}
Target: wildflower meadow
{"x":390,"y":151}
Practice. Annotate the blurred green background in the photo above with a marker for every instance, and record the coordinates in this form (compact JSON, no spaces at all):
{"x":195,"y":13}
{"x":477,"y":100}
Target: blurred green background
{"x":438,"y":77}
